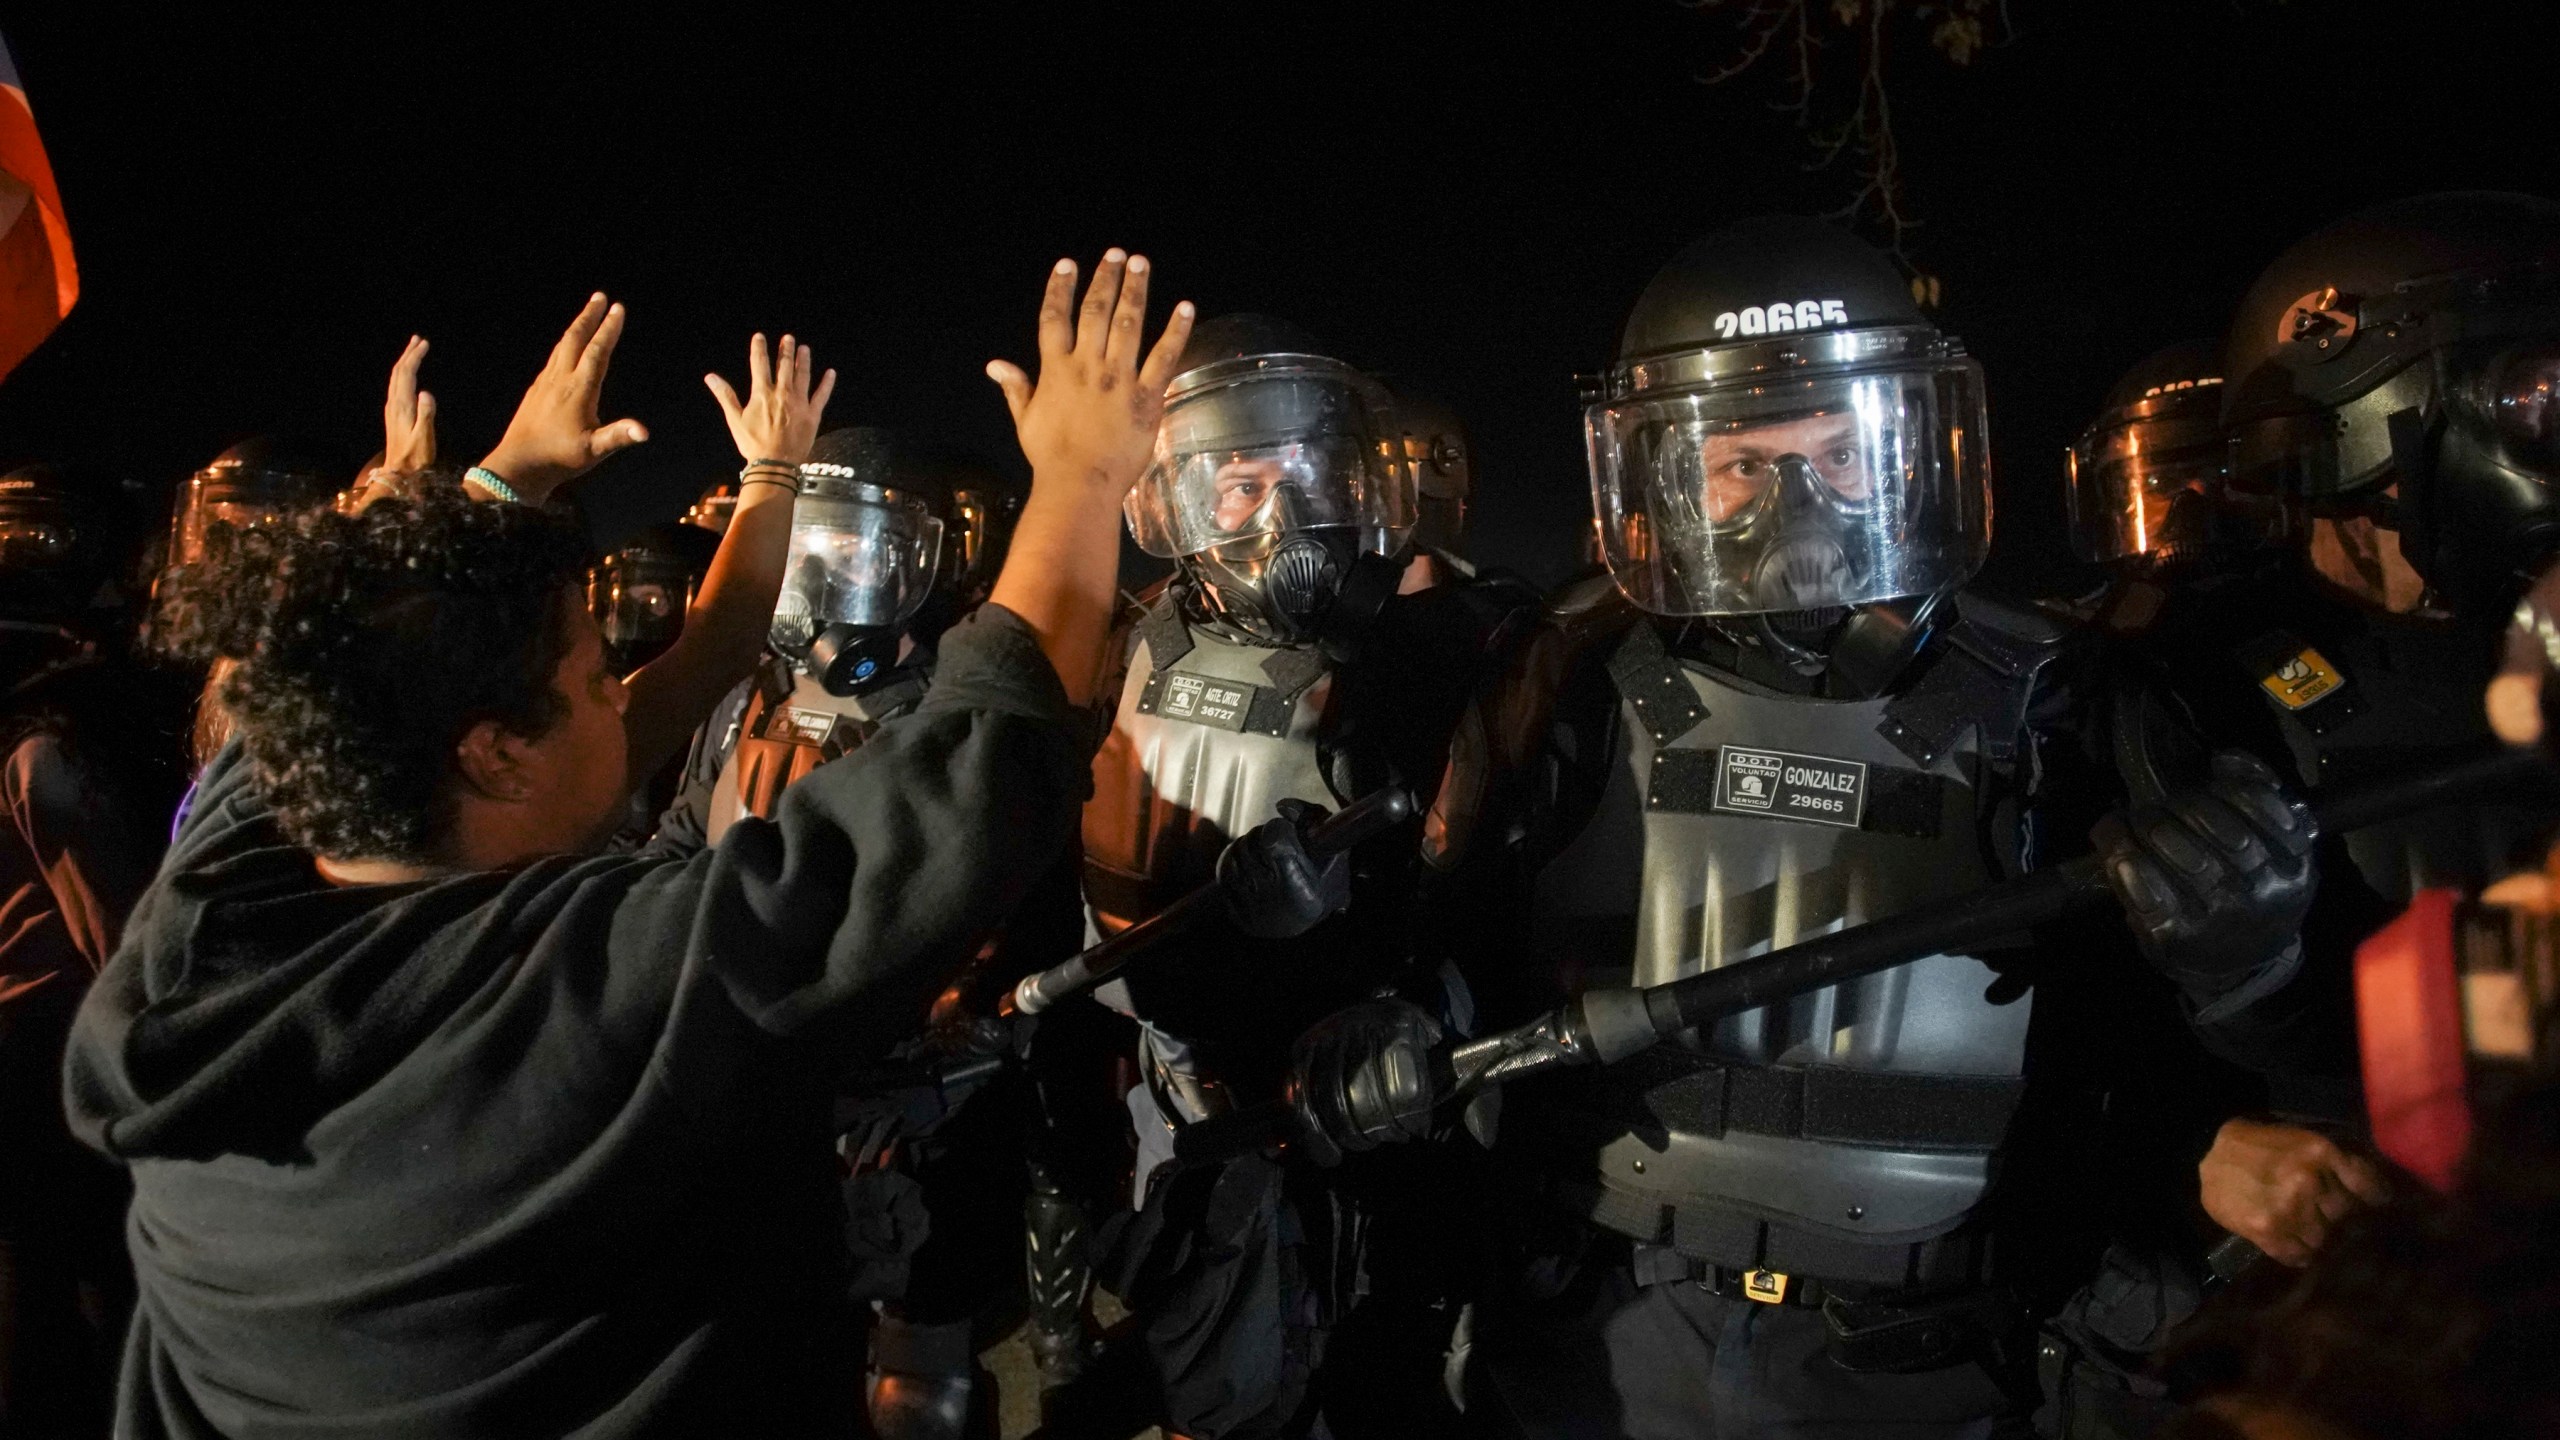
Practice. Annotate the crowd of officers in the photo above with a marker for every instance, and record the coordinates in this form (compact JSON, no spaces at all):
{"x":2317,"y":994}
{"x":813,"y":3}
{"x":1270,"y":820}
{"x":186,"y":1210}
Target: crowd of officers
{"x":1364,"y":1062}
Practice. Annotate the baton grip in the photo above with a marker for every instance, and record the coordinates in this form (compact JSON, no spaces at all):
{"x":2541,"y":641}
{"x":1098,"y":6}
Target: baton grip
{"x":1371,"y":814}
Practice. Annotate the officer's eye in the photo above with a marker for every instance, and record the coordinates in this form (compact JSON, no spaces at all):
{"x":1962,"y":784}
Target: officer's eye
{"x":1841,"y":457}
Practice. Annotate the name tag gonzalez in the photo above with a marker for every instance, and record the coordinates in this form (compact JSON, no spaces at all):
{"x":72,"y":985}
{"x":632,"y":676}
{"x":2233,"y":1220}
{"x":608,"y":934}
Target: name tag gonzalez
{"x":1783,"y":785}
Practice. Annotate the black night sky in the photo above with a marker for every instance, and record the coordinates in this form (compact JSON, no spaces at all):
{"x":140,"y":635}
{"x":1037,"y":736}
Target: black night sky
{"x":1463,"y":197}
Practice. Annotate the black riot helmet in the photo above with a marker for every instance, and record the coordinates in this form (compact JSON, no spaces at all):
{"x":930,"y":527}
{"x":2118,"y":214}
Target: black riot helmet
{"x":712,"y":511}
{"x":1443,"y":463}
{"x":641,"y":591}
{"x":868,"y":538}
{"x":57,"y":542}
{"x":1786,"y":444}
{"x":1280,"y":485}
{"x":979,"y":505}
{"x":259,"y":481}
{"x":2416,"y":344}
{"x":2149,"y":482}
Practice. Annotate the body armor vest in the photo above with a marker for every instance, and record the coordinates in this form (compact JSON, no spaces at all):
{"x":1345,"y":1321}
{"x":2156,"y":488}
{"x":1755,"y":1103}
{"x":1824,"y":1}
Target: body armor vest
{"x":789,"y":727}
{"x":1832,"y":1134}
{"x":1210,"y":736}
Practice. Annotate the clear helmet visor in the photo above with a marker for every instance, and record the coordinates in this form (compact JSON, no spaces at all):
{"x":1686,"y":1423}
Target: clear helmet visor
{"x":1758,"y":496}
{"x":2511,"y":396}
{"x":1279,"y":448}
{"x":2146,"y":487}
{"x":865,"y":561}
{"x":639,"y":607}
{"x":197,"y":520}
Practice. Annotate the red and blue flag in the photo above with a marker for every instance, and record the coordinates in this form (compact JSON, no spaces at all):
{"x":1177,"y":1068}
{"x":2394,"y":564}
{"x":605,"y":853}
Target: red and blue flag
{"x":38,"y":280}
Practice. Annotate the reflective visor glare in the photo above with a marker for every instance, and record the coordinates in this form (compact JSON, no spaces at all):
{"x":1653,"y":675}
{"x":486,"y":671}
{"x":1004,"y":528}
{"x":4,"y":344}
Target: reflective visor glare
{"x":1263,"y":456}
{"x":854,"y":564}
{"x":1749,"y":498}
{"x":2519,"y":391}
{"x":1220,"y":496}
{"x":2125,"y":487}
{"x":2126,"y":506}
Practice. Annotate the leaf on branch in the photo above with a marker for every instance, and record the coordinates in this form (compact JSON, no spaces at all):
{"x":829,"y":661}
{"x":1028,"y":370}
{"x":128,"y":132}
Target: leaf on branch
{"x":1846,"y":11}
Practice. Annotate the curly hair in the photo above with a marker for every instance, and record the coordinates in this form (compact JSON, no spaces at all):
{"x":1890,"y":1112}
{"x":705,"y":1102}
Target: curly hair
{"x":2431,"y":1318}
{"x":362,"y":647}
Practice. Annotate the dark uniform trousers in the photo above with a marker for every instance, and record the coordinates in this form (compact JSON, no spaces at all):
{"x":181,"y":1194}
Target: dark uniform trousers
{"x":1674,"y":1360}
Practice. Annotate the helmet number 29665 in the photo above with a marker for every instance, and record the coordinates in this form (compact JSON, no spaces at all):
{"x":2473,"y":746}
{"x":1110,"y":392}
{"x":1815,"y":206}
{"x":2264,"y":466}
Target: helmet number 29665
{"x":1781,"y":318}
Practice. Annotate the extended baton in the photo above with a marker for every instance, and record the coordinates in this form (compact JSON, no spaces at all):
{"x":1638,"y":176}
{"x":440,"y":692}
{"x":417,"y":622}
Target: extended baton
{"x":1605,"y":1026}
{"x":1369,"y":815}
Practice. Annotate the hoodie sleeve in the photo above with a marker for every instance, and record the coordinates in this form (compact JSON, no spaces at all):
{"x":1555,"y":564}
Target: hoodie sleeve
{"x":836,"y":922}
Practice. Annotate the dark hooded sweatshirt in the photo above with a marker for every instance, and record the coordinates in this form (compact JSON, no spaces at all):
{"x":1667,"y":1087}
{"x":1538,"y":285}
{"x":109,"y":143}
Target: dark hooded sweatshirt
{"x":543,"y":1151}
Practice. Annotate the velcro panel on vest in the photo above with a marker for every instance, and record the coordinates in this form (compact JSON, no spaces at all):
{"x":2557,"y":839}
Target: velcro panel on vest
{"x":1909,"y":803}
{"x":1656,"y":686}
{"x":1957,"y":693}
{"x":1684,"y":1092}
{"x":1168,"y":639}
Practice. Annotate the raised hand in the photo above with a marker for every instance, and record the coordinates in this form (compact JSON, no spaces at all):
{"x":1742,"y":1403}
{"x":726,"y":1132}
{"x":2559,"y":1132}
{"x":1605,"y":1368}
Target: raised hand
{"x":1092,"y":415}
{"x":1087,"y":428}
{"x":408,"y":415}
{"x":556,"y":434}
{"x":779,"y":418}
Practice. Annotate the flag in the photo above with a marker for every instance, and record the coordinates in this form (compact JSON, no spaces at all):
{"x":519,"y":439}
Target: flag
{"x":38,"y":281}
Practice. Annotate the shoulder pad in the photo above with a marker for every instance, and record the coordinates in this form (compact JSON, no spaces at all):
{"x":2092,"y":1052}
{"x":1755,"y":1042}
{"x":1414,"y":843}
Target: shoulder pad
{"x":1507,"y":724}
{"x":2024,"y":624}
{"x":1587,"y":595}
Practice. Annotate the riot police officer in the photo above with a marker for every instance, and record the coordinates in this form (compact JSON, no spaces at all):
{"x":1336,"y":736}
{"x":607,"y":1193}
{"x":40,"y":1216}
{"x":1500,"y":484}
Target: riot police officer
{"x":878,"y":563}
{"x":256,"y":482}
{"x":2390,"y":376}
{"x":641,"y":590}
{"x":2387,"y":375}
{"x":1782,"y":713}
{"x":92,"y":761}
{"x":1317,"y":642}
{"x":2184,"y":549}
{"x":882,"y":560}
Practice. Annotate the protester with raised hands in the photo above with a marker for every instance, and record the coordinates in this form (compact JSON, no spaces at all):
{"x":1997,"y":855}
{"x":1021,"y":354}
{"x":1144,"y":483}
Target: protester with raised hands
{"x":556,"y":436}
{"x":440,"y":1125}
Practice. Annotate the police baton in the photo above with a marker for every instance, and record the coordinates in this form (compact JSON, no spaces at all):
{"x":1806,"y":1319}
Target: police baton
{"x":1346,"y":828}
{"x":1605,"y":1026}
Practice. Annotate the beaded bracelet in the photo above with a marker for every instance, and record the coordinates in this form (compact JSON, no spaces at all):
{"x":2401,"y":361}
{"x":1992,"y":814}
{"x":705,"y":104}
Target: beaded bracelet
{"x":489,"y":480}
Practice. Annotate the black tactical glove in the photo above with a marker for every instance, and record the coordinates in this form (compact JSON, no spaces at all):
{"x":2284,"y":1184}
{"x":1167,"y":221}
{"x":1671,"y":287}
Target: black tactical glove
{"x":1274,"y":889}
{"x":1361,"y":1078}
{"x":2215,"y":881}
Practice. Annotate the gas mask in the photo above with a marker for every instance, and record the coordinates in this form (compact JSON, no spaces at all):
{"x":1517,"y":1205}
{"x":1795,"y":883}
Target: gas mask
{"x":1296,"y":584}
{"x":1792,"y":503}
{"x":1276,"y":487}
{"x":862,"y":563}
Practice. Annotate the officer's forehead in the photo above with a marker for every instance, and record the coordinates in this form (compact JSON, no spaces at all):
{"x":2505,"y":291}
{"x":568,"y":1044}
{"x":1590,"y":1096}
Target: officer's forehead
{"x":1798,"y":427}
